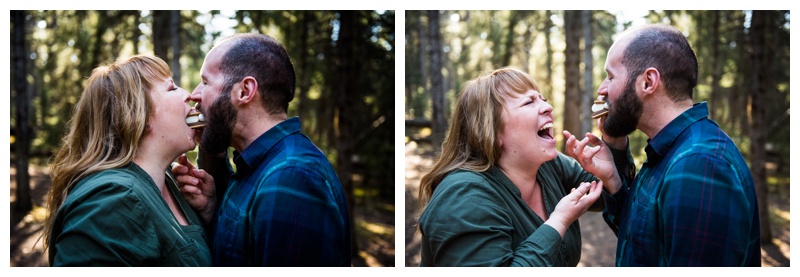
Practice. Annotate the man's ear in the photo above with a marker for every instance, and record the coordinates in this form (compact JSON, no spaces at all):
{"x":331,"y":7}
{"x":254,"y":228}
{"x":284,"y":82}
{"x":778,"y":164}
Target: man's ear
{"x":651,"y":81}
{"x":248,"y":90}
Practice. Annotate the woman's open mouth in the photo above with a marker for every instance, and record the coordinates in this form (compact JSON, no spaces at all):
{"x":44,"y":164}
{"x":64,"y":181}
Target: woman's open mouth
{"x":546,"y":131}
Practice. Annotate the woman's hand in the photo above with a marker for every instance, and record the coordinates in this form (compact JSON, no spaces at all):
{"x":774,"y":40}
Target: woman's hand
{"x":197,"y":186}
{"x":572,"y":206}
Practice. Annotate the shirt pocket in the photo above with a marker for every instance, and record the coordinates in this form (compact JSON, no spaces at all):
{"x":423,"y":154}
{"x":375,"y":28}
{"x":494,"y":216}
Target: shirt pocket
{"x":230,"y":235}
{"x":185,"y":253}
{"x":643,"y":231}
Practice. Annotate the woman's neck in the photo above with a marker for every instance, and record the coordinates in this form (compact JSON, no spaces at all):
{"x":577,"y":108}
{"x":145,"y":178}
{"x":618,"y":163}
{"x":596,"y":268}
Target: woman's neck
{"x":530,"y":190}
{"x":523,"y":178}
{"x":154,"y":161}
{"x":154,"y":169}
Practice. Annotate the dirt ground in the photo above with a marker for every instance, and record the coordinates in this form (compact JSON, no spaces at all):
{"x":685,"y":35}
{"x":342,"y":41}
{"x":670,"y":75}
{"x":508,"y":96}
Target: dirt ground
{"x":375,"y":228}
{"x":599,"y":242}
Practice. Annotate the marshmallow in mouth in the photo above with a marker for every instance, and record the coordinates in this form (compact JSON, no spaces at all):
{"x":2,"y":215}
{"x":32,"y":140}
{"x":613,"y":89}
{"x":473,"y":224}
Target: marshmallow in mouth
{"x":600,"y":107}
{"x":195,"y":120}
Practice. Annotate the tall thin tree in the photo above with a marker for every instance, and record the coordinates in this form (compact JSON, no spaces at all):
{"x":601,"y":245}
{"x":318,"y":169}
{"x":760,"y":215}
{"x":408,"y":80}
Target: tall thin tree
{"x":437,"y":87}
{"x":588,"y":73}
{"x":161,"y":34}
{"x":177,"y":47}
{"x":344,"y":111}
{"x":759,"y":86}
{"x":548,"y":65}
{"x":508,"y":48}
{"x":19,"y":50}
{"x":572,"y":73}
{"x":714,"y":105}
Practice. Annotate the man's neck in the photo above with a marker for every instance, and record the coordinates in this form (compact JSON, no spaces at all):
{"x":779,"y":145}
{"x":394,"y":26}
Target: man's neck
{"x":656,"y":117}
{"x":251,"y":126}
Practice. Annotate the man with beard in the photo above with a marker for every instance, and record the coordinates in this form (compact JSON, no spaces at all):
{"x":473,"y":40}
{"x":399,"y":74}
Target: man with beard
{"x":693,"y":202}
{"x":284,"y":205}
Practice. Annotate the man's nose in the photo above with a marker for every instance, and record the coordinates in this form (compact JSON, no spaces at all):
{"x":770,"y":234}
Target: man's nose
{"x":197,"y":93}
{"x":603,"y":89}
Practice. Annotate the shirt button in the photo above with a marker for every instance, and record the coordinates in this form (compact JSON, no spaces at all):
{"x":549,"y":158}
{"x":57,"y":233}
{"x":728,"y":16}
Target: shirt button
{"x":563,"y":245}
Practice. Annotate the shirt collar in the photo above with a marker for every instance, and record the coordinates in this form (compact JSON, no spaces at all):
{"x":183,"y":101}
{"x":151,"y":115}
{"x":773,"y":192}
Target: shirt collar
{"x":661,"y":143}
{"x":256,"y":151}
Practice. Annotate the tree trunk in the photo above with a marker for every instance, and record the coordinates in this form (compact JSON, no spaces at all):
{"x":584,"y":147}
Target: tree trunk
{"x":741,"y":120}
{"x":714,"y":106}
{"x":135,"y":33}
{"x":572,"y":94}
{"x":758,"y":94}
{"x":525,"y":56}
{"x":161,"y":34}
{"x":345,"y":92}
{"x":23,"y":203}
{"x":437,"y":87}
{"x":304,"y":84}
{"x":424,"y":50}
{"x":588,"y":74}
{"x":175,"y":34}
{"x":549,"y":56}
{"x":513,"y":18}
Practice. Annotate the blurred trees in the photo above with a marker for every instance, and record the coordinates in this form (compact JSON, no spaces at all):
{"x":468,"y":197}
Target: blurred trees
{"x":572,"y":70}
{"x":344,"y":62}
{"x":743,"y":58}
{"x":18,"y":53}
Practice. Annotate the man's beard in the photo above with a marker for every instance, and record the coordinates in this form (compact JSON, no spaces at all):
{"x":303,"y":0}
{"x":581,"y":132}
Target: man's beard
{"x":221,"y":118}
{"x":625,"y":113}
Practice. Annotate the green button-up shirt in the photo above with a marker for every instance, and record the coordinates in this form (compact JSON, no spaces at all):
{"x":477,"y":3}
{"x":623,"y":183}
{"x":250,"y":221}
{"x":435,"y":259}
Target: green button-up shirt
{"x":480,"y":219}
{"x":117,"y":217}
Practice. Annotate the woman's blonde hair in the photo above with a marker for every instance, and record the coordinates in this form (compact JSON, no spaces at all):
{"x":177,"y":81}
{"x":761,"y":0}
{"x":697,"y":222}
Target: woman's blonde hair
{"x":108,"y":125}
{"x":471,"y":142}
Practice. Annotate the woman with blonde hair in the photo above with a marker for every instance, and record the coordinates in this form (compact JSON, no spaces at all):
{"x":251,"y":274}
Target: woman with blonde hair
{"x":500,"y":194}
{"x":113,"y":201}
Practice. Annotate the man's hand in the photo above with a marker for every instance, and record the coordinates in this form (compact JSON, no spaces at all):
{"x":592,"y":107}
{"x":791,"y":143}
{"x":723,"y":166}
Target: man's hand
{"x":596,"y":160}
{"x":197,"y":186}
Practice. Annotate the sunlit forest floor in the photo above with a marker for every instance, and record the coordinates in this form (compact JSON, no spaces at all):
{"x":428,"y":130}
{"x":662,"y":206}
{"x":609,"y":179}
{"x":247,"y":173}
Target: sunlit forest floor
{"x":374,"y":226}
{"x":599,"y":243}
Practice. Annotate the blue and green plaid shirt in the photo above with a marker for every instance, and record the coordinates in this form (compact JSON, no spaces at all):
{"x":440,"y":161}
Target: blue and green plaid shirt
{"x":285,"y":206}
{"x":693,"y":203}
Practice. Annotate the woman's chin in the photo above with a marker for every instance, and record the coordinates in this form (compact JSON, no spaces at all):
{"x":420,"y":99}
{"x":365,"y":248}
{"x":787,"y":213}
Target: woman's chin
{"x":190,"y":145}
{"x":550,"y":152}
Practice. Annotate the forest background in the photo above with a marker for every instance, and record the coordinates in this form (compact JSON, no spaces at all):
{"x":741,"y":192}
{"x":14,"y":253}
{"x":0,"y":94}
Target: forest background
{"x":746,"y":62}
{"x":344,"y":62}
{"x":744,"y":76}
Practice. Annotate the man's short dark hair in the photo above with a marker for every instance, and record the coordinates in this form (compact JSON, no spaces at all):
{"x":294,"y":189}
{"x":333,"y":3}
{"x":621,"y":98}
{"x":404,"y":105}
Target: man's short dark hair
{"x":666,"y":49}
{"x":265,"y":59}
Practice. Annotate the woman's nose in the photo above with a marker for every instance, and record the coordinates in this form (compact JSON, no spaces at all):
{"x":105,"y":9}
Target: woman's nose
{"x":185,"y":96}
{"x":547,"y":108}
